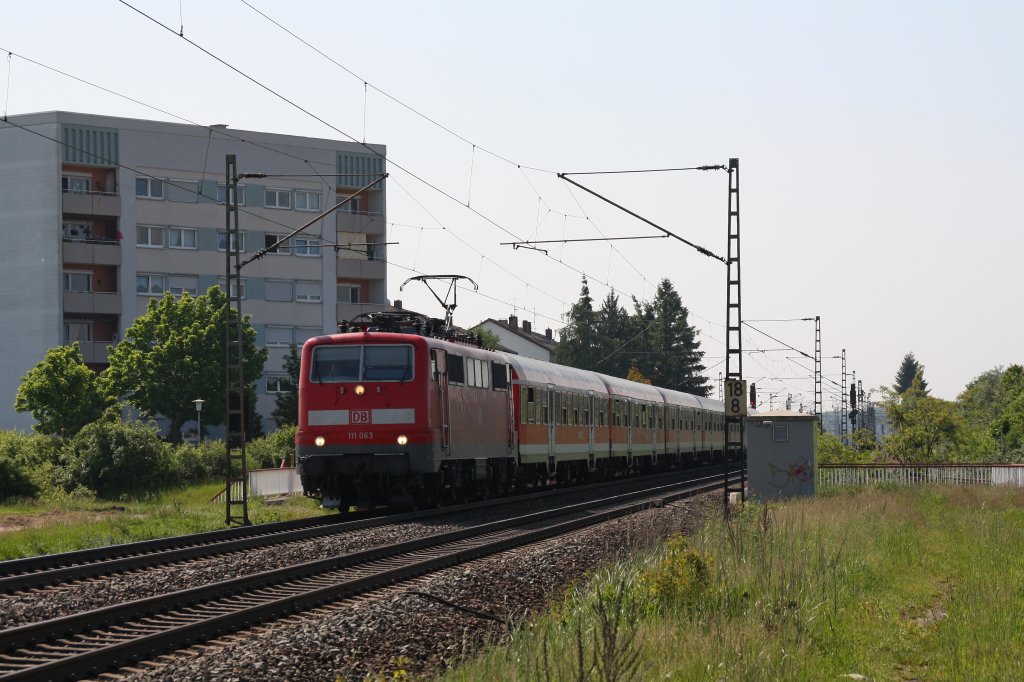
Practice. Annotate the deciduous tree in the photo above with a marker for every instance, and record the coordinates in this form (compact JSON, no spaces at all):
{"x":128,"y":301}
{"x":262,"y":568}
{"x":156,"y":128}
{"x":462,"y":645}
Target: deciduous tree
{"x":175,"y":353}
{"x":61,"y":392}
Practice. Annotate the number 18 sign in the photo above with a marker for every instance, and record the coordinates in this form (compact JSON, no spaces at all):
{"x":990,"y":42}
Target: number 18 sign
{"x":736,"y":398}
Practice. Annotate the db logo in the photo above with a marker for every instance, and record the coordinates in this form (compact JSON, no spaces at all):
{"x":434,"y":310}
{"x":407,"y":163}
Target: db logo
{"x":360,"y":416}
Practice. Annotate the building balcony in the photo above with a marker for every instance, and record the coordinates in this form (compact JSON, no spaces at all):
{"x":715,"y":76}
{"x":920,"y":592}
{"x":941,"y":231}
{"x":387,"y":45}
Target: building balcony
{"x":347,"y":311}
{"x":359,"y":268}
{"x":92,"y":252}
{"x":92,"y":303}
{"x":92,"y":203}
{"x":366,"y":223}
{"x":95,"y":352}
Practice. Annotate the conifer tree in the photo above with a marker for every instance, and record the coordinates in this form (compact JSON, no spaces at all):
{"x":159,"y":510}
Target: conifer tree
{"x":578,"y":344}
{"x":909,"y":369}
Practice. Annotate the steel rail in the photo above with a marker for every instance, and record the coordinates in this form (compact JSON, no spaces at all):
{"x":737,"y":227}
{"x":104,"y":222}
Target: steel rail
{"x":79,"y":645}
{"x":41,"y":571}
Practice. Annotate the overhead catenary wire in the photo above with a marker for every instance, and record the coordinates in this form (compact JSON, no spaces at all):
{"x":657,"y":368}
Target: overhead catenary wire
{"x":373,"y":151}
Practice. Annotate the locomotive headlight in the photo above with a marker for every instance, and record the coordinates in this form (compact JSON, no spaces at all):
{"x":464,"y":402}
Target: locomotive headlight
{"x":402,"y":440}
{"x":360,"y":389}
{"x":320,"y":440}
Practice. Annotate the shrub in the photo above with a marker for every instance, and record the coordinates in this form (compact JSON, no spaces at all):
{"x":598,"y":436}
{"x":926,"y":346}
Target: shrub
{"x":26,"y":463}
{"x":681,"y":577}
{"x":203,"y":462}
{"x":269,"y":451}
{"x":112,"y":457}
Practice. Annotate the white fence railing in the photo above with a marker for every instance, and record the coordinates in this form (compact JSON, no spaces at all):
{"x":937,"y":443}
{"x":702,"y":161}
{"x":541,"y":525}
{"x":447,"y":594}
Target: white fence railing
{"x":920,"y":474}
{"x":267,"y":483}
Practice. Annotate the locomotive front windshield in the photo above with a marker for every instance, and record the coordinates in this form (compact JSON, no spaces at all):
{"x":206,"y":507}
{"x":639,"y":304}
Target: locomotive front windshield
{"x":335,"y":364}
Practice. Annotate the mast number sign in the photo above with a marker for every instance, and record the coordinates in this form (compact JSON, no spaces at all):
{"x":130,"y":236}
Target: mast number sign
{"x":736,"y":398}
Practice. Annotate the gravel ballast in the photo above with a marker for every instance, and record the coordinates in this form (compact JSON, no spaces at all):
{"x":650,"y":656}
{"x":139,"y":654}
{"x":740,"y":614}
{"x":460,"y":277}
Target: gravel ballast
{"x":435,"y":629}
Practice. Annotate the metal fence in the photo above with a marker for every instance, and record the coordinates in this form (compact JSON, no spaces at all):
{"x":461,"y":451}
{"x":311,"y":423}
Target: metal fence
{"x":268,"y":483}
{"x":920,"y":474}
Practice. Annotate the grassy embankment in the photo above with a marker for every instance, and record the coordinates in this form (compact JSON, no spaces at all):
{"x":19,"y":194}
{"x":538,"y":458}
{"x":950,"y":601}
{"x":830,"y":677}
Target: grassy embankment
{"x":924,"y":584}
{"x":70,"y":523}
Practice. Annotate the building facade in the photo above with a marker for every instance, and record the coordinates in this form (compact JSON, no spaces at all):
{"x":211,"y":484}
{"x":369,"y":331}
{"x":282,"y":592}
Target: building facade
{"x":522,"y":340}
{"x":101,"y":214}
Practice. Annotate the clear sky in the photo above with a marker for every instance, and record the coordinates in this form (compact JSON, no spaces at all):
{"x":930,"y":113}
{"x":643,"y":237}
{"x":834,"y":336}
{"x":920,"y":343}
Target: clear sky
{"x":880,"y":145}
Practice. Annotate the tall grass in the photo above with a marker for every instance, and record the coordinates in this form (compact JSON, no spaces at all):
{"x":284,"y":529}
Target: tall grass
{"x":888,"y":584}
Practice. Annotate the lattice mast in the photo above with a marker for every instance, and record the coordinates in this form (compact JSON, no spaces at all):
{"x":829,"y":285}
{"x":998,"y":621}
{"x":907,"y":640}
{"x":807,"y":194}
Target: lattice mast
{"x":237,"y":484}
{"x":734,"y":448}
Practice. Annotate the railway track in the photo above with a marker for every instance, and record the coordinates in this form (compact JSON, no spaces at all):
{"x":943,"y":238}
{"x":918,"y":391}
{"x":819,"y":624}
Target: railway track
{"x":19,"y":575}
{"x":92,"y":642}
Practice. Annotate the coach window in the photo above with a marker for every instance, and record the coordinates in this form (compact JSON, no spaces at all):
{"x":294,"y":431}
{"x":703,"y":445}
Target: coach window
{"x":575,"y":409}
{"x":545,"y":396}
{"x":528,"y":404}
{"x":499,"y":376}
{"x":456,"y":369}
{"x":588,"y":406}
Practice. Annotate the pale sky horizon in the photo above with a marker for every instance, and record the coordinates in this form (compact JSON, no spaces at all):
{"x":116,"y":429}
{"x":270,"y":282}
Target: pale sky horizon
{"x":880,"y":146}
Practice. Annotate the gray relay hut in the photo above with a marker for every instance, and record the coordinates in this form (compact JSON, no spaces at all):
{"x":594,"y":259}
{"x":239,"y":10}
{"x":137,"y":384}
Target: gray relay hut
{"x":782,"y":454}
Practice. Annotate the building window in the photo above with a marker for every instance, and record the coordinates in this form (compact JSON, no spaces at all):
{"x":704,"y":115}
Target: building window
{"x":149,"y":188}
{"x":184,"y":191}
{"x":231,"y":294}
{"x":222,"y":193}
{"x":279,"y":336}
{"x":149,"y":236}
{"x":279,"y":290}
{"x":222,"y":239}
{"x":348,"y":293}
{"x":278,"y":383}
{"x":78,"y":281}
{"x":182,"y":238}
{"x":372,"y":252}
{"x":76,"y":231}
{"x":77,"y":331}
{"x":303,"y":334}
{"x":307,"y":292}
{"x":306,"y":246}
{"x":269,"y":240}
{"x":76,"y":184}
{"x":149,"y":285}
{"x":352,"y":206}
{"x":277,"y":198}
{"x":307,"y":201}
{"x":178,"y":285}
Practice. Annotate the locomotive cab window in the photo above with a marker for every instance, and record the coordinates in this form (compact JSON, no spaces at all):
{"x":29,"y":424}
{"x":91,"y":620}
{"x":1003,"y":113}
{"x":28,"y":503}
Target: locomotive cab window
{"x":335,"y":364}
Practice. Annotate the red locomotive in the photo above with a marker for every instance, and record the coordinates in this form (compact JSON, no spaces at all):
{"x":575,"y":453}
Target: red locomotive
{"x":393,"y":416}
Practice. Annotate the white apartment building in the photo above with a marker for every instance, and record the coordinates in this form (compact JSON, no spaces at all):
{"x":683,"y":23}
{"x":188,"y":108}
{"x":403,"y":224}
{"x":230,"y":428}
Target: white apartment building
{"x":100,"y":214}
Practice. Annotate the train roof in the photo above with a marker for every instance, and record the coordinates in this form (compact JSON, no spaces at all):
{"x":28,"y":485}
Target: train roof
{"x":541,"y":372}
{"x":631,"y":389}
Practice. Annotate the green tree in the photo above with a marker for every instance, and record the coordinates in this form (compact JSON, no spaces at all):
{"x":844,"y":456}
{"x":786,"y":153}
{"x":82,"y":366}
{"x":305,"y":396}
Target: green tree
{"x":286,"y":405}
{"x":909,"y":369}
{"x":926,"y":429}
{"x":578,"y":344}
{"x":175,"y":353}
{"x":1008,"y":427}
{"x":62,"y":394}
{"x":676,"y":351}
{"x":613,"y":332}
{"x":488,"y":339}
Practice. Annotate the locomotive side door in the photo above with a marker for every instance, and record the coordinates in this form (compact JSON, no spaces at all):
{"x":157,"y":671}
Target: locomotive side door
{"x":552,"y":405}
{"x":440,"y":367}
{"x":630,"y":416}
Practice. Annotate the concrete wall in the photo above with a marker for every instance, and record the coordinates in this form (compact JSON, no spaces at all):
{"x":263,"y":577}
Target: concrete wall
{"x":30,"y":262}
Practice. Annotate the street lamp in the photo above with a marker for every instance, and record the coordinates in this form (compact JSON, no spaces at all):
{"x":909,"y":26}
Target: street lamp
{"x":198,"y":402}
